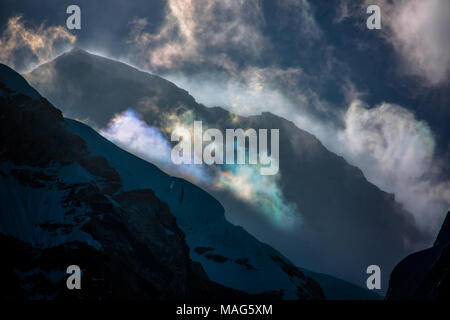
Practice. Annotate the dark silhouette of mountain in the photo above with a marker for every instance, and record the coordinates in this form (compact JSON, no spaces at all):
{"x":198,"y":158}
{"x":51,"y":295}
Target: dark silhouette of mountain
{"x":347,"y":223}
{"x":68,"y":196}
{"x":424,"y":274}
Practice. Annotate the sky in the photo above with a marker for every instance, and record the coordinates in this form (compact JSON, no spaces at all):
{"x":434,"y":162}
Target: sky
{"x":379,"y":98}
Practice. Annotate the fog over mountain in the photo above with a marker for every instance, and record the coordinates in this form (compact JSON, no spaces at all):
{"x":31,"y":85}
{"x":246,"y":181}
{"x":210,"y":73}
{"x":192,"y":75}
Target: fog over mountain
{"x":379,"y":98}
{"x":68,"y":194}
{"x":363,"y":116}
{"x":330,"y":207}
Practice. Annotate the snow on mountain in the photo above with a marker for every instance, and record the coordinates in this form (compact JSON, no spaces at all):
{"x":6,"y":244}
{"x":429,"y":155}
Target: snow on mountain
{"x":69,"y":194}
{"x":340,"y":211}
{"x":229,"y":255}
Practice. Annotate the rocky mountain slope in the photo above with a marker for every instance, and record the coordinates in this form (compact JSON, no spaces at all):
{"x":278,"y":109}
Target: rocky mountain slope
{"x":344,"y":217}
{"x":424,"y":274}
{"x":69,"y":196}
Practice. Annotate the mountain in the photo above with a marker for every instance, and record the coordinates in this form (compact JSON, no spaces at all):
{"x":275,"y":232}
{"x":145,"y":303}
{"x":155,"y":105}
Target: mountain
{"x":424,"y":274}
{"x":69,"y":196}
{"x":344,"y":217}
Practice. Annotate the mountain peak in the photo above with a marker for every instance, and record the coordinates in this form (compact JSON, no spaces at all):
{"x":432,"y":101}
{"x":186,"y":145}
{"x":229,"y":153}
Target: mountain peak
{"x":14,"y":83}
{"x":444,"y":235}
{"x":75,"y":51}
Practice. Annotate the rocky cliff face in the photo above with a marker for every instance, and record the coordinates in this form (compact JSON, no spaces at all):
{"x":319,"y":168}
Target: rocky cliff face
{"x":68,"y":196}
{"x":424,"y":274}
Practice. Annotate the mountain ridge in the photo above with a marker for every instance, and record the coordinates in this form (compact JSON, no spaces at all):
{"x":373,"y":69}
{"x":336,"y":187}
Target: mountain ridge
{"x":337,"y":199}
{"x":60,"y":200}
{"x":425,"y":274}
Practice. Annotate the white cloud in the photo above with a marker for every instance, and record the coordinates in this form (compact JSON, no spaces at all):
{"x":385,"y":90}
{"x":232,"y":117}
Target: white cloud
{"x":129,"y":130}
{"x":245,"y":182}
{"x":214,"y":32}
{"x":419,"y":31}
{"x":193,"y":27}
{"x":396,"y":152}
{"x":249,"y":95}
{"x":40,"y":43}
{"x":133,"y":134}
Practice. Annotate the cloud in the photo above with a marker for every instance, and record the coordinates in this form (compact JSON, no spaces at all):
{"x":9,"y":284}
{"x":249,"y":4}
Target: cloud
{"x":245,"y":182}
{"x":396,"y":152}
{"x":297,"y":14}
{"x":22,"y":45}
{"x":218,"y":34}
{"x":418,"y":31}
{"x":350,"y":8}
{"x":254,"y":90}
{"x":133,"y":134}
{"x":196,"y":32}
{"x":257,"y":90}
{"x":127,"y":128}
{"x":263,"y":192}
{"x":342,"y":11}
{"x":246,"y":96}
